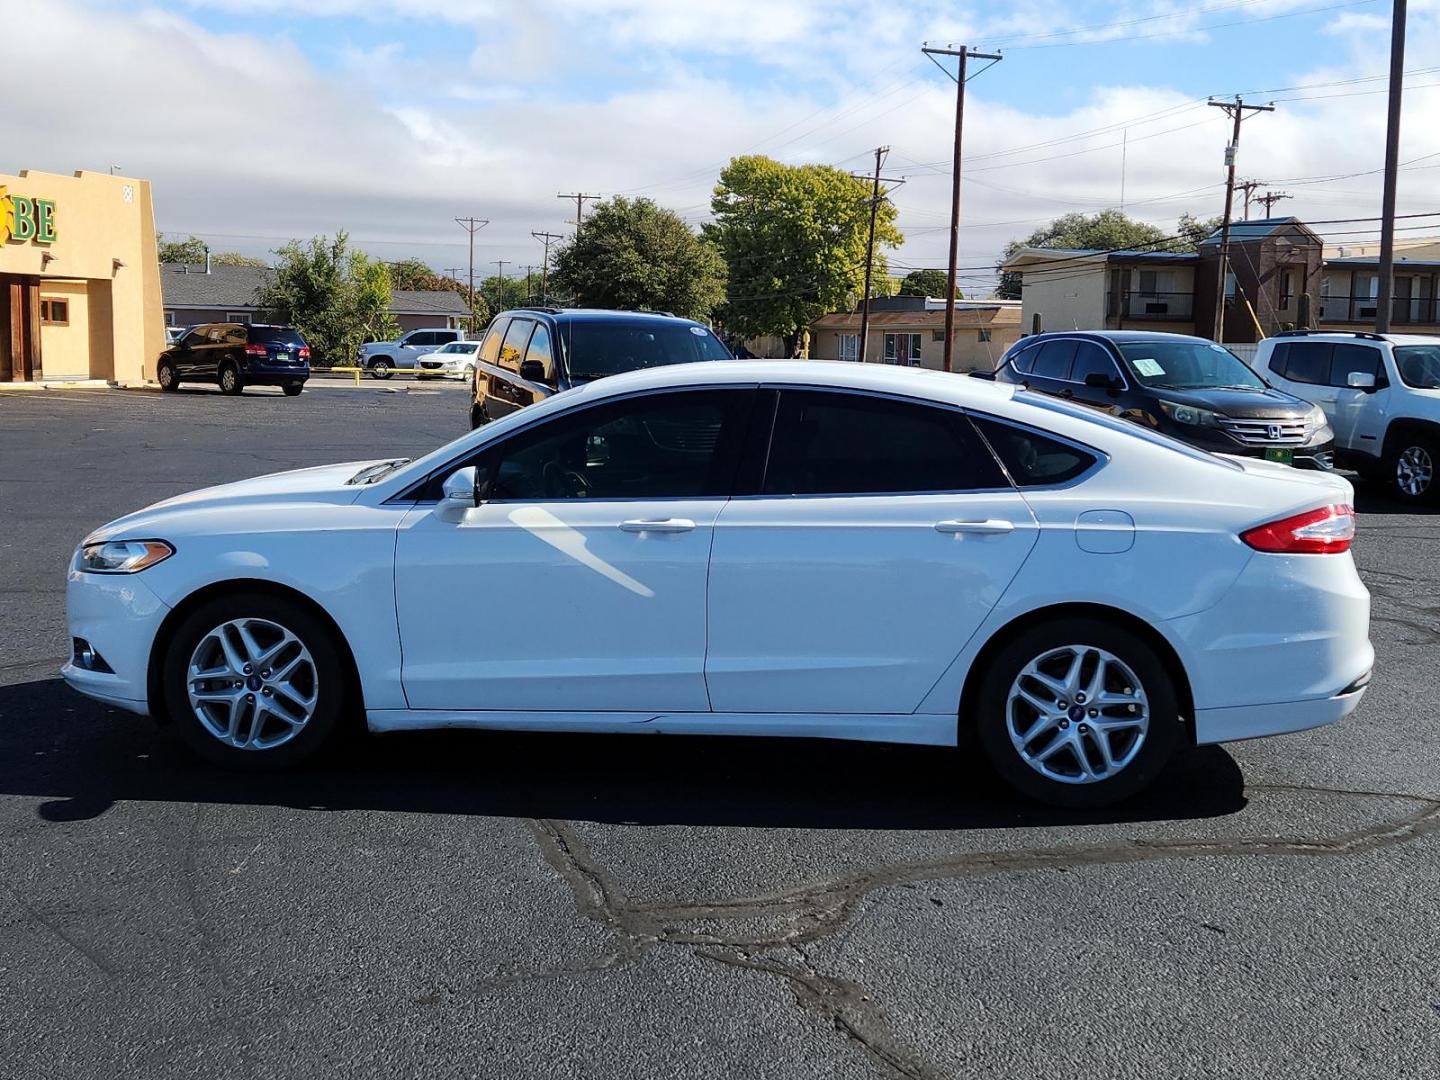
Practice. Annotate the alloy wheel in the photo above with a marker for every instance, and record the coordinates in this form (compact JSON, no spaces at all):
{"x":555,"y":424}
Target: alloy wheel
{"x":1077,"y":714}
{"x":252,"y":684}
{"x":1413,"y":471}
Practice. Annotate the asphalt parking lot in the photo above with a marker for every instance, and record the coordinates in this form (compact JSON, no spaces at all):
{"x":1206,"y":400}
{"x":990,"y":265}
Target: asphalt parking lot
{"x":547,"y":906}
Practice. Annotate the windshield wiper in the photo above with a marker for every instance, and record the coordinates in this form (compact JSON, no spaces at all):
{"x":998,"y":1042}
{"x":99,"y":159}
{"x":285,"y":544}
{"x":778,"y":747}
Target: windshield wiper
{"x":372,"y":473}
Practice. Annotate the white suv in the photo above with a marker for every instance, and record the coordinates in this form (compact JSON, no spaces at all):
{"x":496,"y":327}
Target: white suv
{"x":382,"y":358}
{"x":1381,"y":393}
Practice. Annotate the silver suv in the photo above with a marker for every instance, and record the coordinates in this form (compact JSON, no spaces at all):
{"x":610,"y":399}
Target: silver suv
{"x":381,"y":358}
{"x":1381,"y":393}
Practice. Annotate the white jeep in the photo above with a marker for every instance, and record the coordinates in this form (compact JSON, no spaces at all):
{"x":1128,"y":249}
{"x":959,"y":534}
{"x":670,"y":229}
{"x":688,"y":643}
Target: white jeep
{"x":1381,"y":393}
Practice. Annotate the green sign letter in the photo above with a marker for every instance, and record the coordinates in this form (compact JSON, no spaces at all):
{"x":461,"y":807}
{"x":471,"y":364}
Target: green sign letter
{"x":24,"y":218}
{"x":44,"y":221}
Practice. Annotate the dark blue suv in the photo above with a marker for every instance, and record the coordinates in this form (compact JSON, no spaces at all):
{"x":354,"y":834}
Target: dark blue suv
{"x":237,"y":355}
{"x":530,"y":353}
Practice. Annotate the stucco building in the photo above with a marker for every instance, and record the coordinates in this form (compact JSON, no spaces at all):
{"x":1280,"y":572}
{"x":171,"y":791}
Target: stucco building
{"x":79,"y":279}
{"x":910,"y":330}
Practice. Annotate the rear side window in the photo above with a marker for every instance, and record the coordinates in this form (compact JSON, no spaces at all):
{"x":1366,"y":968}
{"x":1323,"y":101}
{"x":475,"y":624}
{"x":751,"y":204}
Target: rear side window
{"x":275,"y":335}
{"x":1302,"y":361}
{"x":1054,"y":359}
{"x":1033,"y":459}
{"x":849,"y":444}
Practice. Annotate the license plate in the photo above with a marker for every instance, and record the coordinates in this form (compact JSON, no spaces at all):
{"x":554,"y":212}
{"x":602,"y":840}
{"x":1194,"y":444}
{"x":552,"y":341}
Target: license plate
{"x":1283,"y":454}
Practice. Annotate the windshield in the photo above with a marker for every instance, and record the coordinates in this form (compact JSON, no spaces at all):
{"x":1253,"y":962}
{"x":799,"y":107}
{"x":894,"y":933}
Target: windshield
{"x":460,"y":346}
{"x":1419,"y":365}
{"x":597,"y":348}
{"x":1188,"y":365}
{"x":275,"y":335}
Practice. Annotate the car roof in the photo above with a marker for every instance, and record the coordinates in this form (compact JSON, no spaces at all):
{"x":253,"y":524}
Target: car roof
{"x":597,"y":315}
{"x":1114,"y":335}
{"x":1354,"y":337}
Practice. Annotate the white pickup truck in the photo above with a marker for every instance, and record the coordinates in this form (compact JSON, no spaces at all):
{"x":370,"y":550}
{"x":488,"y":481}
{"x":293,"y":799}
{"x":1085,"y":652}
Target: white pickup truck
{"x":1381,"y":394}
{"x":382,"y":358}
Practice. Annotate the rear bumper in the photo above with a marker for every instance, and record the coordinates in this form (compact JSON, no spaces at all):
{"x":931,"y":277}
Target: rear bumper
{"x":1256,"y":721}
{"x":267,"y":374}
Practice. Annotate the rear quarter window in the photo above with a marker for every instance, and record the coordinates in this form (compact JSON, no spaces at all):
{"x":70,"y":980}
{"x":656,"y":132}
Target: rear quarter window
{"x":1032,"y":458}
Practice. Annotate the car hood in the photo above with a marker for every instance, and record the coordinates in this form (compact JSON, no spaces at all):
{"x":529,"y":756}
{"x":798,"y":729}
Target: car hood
{"x":324,"y":483}
{"x":1241,"y":404}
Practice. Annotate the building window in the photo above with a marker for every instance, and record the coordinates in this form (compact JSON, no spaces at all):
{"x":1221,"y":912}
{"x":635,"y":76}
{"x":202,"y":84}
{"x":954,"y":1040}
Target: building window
{"x":1287,"y":287}
{"x":849,"y":346}
{"x":937,"y":335}
{"x":54,"y":312}
{"x":902,"y":349}
{"x":983,"y":334}
{"x":242,"y":317}
{"x":1229,"y":283}
{"x":170,"y":319}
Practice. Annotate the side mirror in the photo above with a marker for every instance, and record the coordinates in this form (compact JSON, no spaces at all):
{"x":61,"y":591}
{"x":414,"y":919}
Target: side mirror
{"x":1098,"y":380}
{"x":532,"y":371}
{"x":461,"y":489}
{"x":1360,"y":380}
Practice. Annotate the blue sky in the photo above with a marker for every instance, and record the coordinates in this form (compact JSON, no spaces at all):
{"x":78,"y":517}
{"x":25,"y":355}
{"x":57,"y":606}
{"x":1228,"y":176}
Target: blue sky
{"x":264,"y":119}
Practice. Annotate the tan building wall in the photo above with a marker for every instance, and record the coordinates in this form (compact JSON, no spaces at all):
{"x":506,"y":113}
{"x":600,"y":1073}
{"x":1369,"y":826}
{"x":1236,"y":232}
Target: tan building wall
{"x":102,"y":259}
{"x":1068,"y":300}
{"x":979,"y":344}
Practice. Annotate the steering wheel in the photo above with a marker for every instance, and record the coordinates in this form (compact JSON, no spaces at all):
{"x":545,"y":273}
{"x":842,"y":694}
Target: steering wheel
{"x":564,"y":483}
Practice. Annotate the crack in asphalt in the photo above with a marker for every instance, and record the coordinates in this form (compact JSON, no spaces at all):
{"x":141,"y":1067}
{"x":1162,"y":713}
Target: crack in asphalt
{"x":810,"y":913}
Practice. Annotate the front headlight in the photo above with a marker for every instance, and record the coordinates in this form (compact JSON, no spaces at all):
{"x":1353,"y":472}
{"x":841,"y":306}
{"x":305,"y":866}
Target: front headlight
{"x":1315,"y":419}
{"x":122,"y":556}
{"x":1189,"y":414}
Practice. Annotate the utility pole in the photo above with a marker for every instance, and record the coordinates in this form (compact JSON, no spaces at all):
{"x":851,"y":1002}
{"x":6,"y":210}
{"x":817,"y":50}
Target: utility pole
{"x":529,"y":272}
{"x":1392,"y":155}
{"x":1249,"y":187}
{"x":501,"y":264}
{"x":471,"y":225}
{"x":548,"y":238}
{"x":875,"y":197}
{"x":1270,"y":198}
{"x":580,"y":198}
{"x":454,"y":272}
{"x":1237,"y":111}
{"x":965,"y":53}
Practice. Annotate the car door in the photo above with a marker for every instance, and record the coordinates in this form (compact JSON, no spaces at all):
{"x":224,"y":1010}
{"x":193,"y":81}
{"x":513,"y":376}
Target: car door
{"x":882,"y":535}
{"x":1358,"y":416}
{"x":487,"y":360}
{"x":505,"y":392}
{"x":416,"y":344}
{"x":189,"y":355}
{"x":578,"y":585}
{"x":1092,"y":359}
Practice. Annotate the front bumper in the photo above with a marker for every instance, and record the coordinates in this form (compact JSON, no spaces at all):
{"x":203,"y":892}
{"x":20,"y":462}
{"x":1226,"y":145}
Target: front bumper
{"x":119,"y":616}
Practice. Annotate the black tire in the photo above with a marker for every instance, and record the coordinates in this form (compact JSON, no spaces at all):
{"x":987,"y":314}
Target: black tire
{"x":380,"y":368}
{"x":230,"y":381}
{"x":331,"y":691}
{"x":293,"y":389}
{"x":1412,"y":468}
{"x":478,"y":416}
{"x":993,"y":720}
{"x":166,"y":377}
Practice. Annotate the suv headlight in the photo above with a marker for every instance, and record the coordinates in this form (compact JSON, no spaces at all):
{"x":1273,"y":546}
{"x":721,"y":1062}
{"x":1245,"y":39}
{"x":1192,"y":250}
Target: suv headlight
{"x":1315,"y":419}
{"x":122,"y":556}
{"x":1189,"y":414}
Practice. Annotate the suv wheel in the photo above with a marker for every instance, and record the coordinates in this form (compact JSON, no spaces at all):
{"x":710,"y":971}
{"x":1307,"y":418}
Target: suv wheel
{"x":380,"y":368}
{"x":230,"y":382}
{"x":1078,"y":712}
{"x":165,"y":376}
{"x":293,"y":389}
{"x":1410,"y":466}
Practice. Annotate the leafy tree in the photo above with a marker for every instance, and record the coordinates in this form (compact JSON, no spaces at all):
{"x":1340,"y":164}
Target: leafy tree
{"x":414,"y":274}
{"x":190,"y":250}
{"x":633,"y":255}
{"x":793,"y":237}
{"x":234,"y":258}
{"x":337,"y":297}
{"x":927,"y":283}
{"x":1193,"y":230}
{"x":500,"y":293}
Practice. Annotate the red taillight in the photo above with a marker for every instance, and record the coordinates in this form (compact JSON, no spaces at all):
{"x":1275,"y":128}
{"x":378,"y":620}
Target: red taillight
{"x":1326,"y":531}
{"x":256,"y":350}
{"x":304,"y":352}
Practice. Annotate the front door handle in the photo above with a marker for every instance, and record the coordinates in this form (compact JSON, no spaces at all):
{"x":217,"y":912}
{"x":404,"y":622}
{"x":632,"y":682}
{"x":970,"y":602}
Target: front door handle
{"x":990,"y":526}
{"x":662,"y":525}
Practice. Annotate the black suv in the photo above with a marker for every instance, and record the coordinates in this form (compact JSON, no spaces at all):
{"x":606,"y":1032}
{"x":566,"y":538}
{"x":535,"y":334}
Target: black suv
{"x":237,"y":355}
{"x":530,"y":353}
{"x":1187,"y":387}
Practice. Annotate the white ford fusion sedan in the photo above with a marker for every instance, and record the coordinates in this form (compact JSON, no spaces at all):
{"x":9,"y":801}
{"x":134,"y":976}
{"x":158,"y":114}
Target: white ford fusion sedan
{"x":767,"y":548}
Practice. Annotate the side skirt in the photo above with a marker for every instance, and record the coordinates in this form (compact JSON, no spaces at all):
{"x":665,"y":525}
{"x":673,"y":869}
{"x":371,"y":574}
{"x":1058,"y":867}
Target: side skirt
{"x":926,"y":729}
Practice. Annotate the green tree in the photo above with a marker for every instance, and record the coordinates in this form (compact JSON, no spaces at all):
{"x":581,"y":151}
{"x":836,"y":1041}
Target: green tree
{"x":337,"y":297}
{"x":234,"y":258}
{"x":927,"y":283}
{"x":793,"y":237}
{"x":1193,"y":230}
{"x":414,"y":274}
{"x":190,"y":250}
{"x":500,"y":293}
{"x":634,"y":256}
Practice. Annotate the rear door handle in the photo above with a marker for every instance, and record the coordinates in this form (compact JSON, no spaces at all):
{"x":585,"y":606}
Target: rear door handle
{"x":992,"y":526}
{"x":663,"y":525}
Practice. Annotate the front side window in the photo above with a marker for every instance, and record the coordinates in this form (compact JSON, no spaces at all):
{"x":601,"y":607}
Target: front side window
{"x":513,"y":348}
{"x":680,"y":445}
{"x":1031,"y":458}
{"x":1419,"y":365}
{"x":198,"y":335}
{"x":1352,"y":358}
{"x":1188,"y":365}
{"x":540,"y":351}
{"x":827,"y":443}
{"x":1091,"y":359}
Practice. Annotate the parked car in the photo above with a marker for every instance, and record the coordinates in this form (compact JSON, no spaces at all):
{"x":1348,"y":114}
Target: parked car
{"x":1188,"y":387}
{"x":749,"y":548}
{"x":531,"y":353}
{"x":382,"y":358}
{"x":1381,"y":393}
{"x":456,"y":360}
{"x":237,"y":355}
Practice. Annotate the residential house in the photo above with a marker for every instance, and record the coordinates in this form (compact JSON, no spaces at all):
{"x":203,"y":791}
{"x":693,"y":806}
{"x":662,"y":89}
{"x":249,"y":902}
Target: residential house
{"x":910,"y":330}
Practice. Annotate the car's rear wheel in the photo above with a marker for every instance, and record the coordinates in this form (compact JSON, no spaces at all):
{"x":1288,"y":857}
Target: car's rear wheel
{"x":254,"y":682}
{"x":478,"y":416}
{"x":1078,"y":712}
{"x":380,"y":368}
{"x":1410,"y":467}
{"x":293,"y":389}
{"x":230,"y":381}
{"x":166,"y":377}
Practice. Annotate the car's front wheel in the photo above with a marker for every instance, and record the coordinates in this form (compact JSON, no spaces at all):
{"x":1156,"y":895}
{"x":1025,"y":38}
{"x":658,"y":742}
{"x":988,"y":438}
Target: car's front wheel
{"x":380,"y":368}
{"x":1078,"y":712}
{"x":254,"y":682}
{"x":166,"y":377}
{"x":1411,"y":467}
